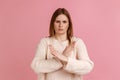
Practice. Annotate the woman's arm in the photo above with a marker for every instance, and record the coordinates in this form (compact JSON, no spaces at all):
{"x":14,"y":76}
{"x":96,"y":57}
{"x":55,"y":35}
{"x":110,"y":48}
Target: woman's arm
{"x":42,"y":65}
{"x":81,"y":66}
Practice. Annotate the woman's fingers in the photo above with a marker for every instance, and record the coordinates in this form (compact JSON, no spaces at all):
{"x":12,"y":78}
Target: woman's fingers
{"x":66,"y":52}
{"x":68,"y":49}
{"x":73,"y":44}
{"x":53,"y":51}
{"x":56,"y":54}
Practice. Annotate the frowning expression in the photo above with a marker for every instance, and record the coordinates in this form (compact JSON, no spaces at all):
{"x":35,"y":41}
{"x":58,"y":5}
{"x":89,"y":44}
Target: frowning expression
{"x":61,"y":24}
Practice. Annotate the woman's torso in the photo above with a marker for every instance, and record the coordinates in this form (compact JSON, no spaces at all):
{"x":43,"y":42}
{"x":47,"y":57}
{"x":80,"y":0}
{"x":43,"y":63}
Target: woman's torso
{"x":60,"y":74}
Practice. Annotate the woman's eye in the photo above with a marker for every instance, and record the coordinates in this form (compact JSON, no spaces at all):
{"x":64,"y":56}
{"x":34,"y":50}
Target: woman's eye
{"x":57,"y":21}
{"x":64,"y":21}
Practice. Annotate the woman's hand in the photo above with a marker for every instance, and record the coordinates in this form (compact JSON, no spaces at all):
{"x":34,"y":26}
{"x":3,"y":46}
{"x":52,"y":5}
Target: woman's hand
{"x":57,"y":55}
{"x":68,"y":49}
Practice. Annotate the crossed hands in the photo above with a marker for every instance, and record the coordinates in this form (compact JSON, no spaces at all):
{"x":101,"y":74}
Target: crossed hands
{"x":66,"y":53}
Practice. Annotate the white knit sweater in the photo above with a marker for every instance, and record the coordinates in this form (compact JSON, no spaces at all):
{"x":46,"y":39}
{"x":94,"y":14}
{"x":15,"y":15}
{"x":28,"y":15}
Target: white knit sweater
{"x":49,"y":68}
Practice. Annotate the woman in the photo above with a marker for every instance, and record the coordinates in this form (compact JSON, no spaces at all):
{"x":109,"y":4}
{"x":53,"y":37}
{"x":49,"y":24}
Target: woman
{"x":61,"y":56}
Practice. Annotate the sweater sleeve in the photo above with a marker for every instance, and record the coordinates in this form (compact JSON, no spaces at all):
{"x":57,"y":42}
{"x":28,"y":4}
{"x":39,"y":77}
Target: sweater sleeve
{"x":42,"y":65}
{"x":83,"y":64}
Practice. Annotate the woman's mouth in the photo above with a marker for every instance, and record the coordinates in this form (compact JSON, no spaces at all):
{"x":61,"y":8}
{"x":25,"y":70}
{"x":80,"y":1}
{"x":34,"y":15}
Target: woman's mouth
{"x":60,"y":29}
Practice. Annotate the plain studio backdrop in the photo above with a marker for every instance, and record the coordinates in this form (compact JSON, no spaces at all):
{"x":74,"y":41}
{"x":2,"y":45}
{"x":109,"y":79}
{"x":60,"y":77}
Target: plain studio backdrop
{"x":24,"y":22}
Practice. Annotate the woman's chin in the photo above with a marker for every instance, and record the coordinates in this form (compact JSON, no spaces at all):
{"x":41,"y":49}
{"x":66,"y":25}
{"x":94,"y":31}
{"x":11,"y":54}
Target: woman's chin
{"x":61,"y":33}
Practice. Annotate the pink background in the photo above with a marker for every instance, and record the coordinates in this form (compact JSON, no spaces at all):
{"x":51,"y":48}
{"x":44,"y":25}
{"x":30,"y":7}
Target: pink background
{"x":24,"y":22}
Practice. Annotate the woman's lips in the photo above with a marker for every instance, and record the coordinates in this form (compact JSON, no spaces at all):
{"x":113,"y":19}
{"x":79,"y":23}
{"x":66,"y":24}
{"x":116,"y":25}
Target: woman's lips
{"x":60,"y":29}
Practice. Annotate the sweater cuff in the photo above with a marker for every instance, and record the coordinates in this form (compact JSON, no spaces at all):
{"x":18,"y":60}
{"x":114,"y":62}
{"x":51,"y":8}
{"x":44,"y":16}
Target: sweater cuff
{"x":68,"y":66}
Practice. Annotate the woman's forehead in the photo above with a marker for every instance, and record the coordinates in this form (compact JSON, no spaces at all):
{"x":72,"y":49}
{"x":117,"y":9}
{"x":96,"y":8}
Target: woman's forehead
{"x":61,"y":17}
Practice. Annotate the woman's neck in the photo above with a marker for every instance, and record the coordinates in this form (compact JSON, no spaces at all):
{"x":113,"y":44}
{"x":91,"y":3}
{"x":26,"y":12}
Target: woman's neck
{"x":61,"y":37}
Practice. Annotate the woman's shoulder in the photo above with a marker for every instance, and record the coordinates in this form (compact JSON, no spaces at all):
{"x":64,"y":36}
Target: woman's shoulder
{"x":75,"y":38}
{"x":45,"y":39}
{"x":78,"y":40}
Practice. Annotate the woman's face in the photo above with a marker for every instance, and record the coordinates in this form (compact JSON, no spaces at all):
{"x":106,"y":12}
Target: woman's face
{"x":61,"y":24}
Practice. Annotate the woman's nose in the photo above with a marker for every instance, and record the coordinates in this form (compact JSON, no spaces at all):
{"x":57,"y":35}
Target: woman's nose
{"x":61,"y":24}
